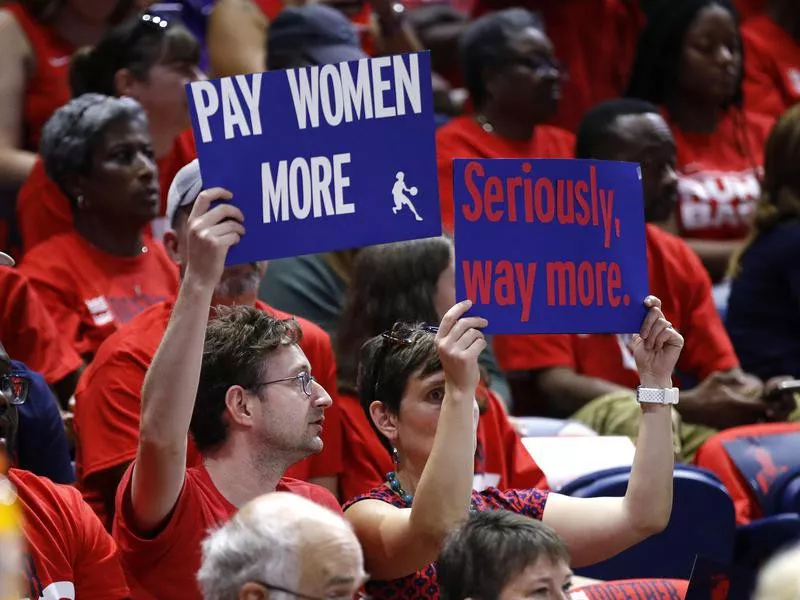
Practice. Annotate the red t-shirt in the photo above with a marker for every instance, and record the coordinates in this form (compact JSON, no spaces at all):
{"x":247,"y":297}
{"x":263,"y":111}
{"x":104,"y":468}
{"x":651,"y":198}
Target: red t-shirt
{"x":70,"y":555}
{"x":772,"y":67}
{"x":501,"y":460}
{"x":47,"y":87}
{"x":43,"y":211}
{"x":270,"y":8}
{"x":462,"y":137}
{"x":749,"y":8}
{"x":165,"y":566}
{"x":676,"y":277}
{"x":108,"y":401}
{"x":90,"y":293}
{"x":28,"y":333}
{"x":719,"y":176}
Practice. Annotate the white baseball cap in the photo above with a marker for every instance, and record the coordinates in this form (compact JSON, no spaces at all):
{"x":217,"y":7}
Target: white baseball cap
{"x":186,"y":186}
{"x":6,"y":260}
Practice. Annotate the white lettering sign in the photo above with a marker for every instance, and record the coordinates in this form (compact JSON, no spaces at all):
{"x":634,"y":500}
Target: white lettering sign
{"x":304,"y":188}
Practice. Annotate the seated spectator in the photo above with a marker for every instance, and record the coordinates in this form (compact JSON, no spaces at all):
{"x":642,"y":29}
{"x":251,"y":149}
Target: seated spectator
{"x":764,"y":310}
{"x":282,"y":543}
{"x":596,"y":42}
{"x":108,"y":399}
{"x":36,"y":41}
{"x":779,"y":578}
{"x":514,"y":83}
{"x":104,"y":272}
{"x":561,"y":374}
{"x":420,"y":388}
{"x":69,"y":553}
{"x":410,"y":282}
{"x":772,"y":59}
{"x":503,"y":555}
{"x":31,"y":335}
{"x":42,"y":446}
{"x":245,"y":389}
{"x":145,"y":58}
{"x":689,"y":63}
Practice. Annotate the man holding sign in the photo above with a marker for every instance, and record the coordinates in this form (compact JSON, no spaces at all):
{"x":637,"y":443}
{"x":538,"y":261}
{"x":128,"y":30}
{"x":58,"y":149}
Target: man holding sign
{"x":590,"y":375}
{"x":244,"y":387}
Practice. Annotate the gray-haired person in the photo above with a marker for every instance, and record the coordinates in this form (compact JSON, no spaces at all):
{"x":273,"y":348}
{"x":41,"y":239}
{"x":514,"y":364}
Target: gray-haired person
{"x":282,"y":546}
{"x":105,"y":270}
{"x":506,"y":556}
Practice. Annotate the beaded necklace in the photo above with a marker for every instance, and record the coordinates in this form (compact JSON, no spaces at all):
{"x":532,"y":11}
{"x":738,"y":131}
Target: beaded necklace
{"x":394,"y":484}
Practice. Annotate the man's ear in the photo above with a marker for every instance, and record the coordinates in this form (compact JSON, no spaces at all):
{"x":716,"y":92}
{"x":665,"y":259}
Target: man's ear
{"x":253,"y":591}
{"x":384,"y":419}
{"x":239,"y":405}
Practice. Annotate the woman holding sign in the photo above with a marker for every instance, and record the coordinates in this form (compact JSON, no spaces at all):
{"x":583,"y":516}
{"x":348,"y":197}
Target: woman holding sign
{"x":419,"y":383}
{"x":413,"y":281}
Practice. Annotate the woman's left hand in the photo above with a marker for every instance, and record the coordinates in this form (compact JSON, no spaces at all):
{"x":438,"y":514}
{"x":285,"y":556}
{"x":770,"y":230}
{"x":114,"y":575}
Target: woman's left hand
{"x":656,"y":348}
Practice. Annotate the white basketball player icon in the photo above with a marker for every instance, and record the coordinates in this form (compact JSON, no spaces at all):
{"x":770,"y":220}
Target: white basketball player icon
{"x":399,"y":190}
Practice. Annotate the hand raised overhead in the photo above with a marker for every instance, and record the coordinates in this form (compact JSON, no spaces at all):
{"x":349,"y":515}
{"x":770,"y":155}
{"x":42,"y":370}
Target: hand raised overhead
{"x":210,"y":234}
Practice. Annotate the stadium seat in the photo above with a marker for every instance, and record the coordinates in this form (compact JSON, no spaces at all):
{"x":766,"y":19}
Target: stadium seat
{"x":702,"y":523}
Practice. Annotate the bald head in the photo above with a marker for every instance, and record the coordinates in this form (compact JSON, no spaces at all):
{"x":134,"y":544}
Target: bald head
{"x":281,"y":541}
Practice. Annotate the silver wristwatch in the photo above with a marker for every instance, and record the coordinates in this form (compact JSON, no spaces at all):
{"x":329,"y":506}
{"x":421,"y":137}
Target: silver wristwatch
{"x":657,"y":395}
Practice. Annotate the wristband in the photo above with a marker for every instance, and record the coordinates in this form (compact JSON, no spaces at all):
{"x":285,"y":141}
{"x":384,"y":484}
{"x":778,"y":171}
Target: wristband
{"x":657,"y":395}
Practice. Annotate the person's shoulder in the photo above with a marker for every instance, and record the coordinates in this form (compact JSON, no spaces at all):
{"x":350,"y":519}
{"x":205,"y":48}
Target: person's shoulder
{"x":457,"y":129}
{"x":758,"y":123}
{"x":139,"y":338}
{"x":783,"y":240}
{"x":666,"y":247}
{"x":759,"y":29}
{"x":313,"y":492}
{"x":556,"y":133}
{"x":56,"y":259}
{"x":40,"y":494}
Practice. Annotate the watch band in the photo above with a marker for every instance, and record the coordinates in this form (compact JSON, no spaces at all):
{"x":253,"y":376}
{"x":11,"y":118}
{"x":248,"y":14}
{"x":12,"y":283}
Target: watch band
{"x":657,"y":395}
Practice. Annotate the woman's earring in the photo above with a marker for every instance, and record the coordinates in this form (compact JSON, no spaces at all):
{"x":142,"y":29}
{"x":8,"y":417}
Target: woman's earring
{"x":395,"y":456}
{"x":81,"y":202}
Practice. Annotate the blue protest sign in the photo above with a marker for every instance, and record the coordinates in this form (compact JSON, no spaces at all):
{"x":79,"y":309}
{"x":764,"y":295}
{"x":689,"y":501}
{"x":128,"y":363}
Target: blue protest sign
{"x":551,"y":246}
{"x":324,"y":157}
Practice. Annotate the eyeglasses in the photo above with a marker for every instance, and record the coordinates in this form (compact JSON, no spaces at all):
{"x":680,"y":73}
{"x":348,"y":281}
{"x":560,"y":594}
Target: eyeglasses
{"x":305,"y":379}
{"x":540,"y":66}
{"x":15,"y":387}
{"x":359,"y":595}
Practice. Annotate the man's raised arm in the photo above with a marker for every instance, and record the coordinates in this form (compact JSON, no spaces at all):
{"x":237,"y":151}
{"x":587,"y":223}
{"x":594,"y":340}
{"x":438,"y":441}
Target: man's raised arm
{"x":170,"y":386}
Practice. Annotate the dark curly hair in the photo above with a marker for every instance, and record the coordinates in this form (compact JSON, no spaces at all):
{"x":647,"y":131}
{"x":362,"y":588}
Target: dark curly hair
{"x":239,"y":339}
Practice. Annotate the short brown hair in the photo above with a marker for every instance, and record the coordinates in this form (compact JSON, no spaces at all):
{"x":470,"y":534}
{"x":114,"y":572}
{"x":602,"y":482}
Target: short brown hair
{"x":489,"y":550}
{"x":386,"y":366}
{"x":238,"y":339}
